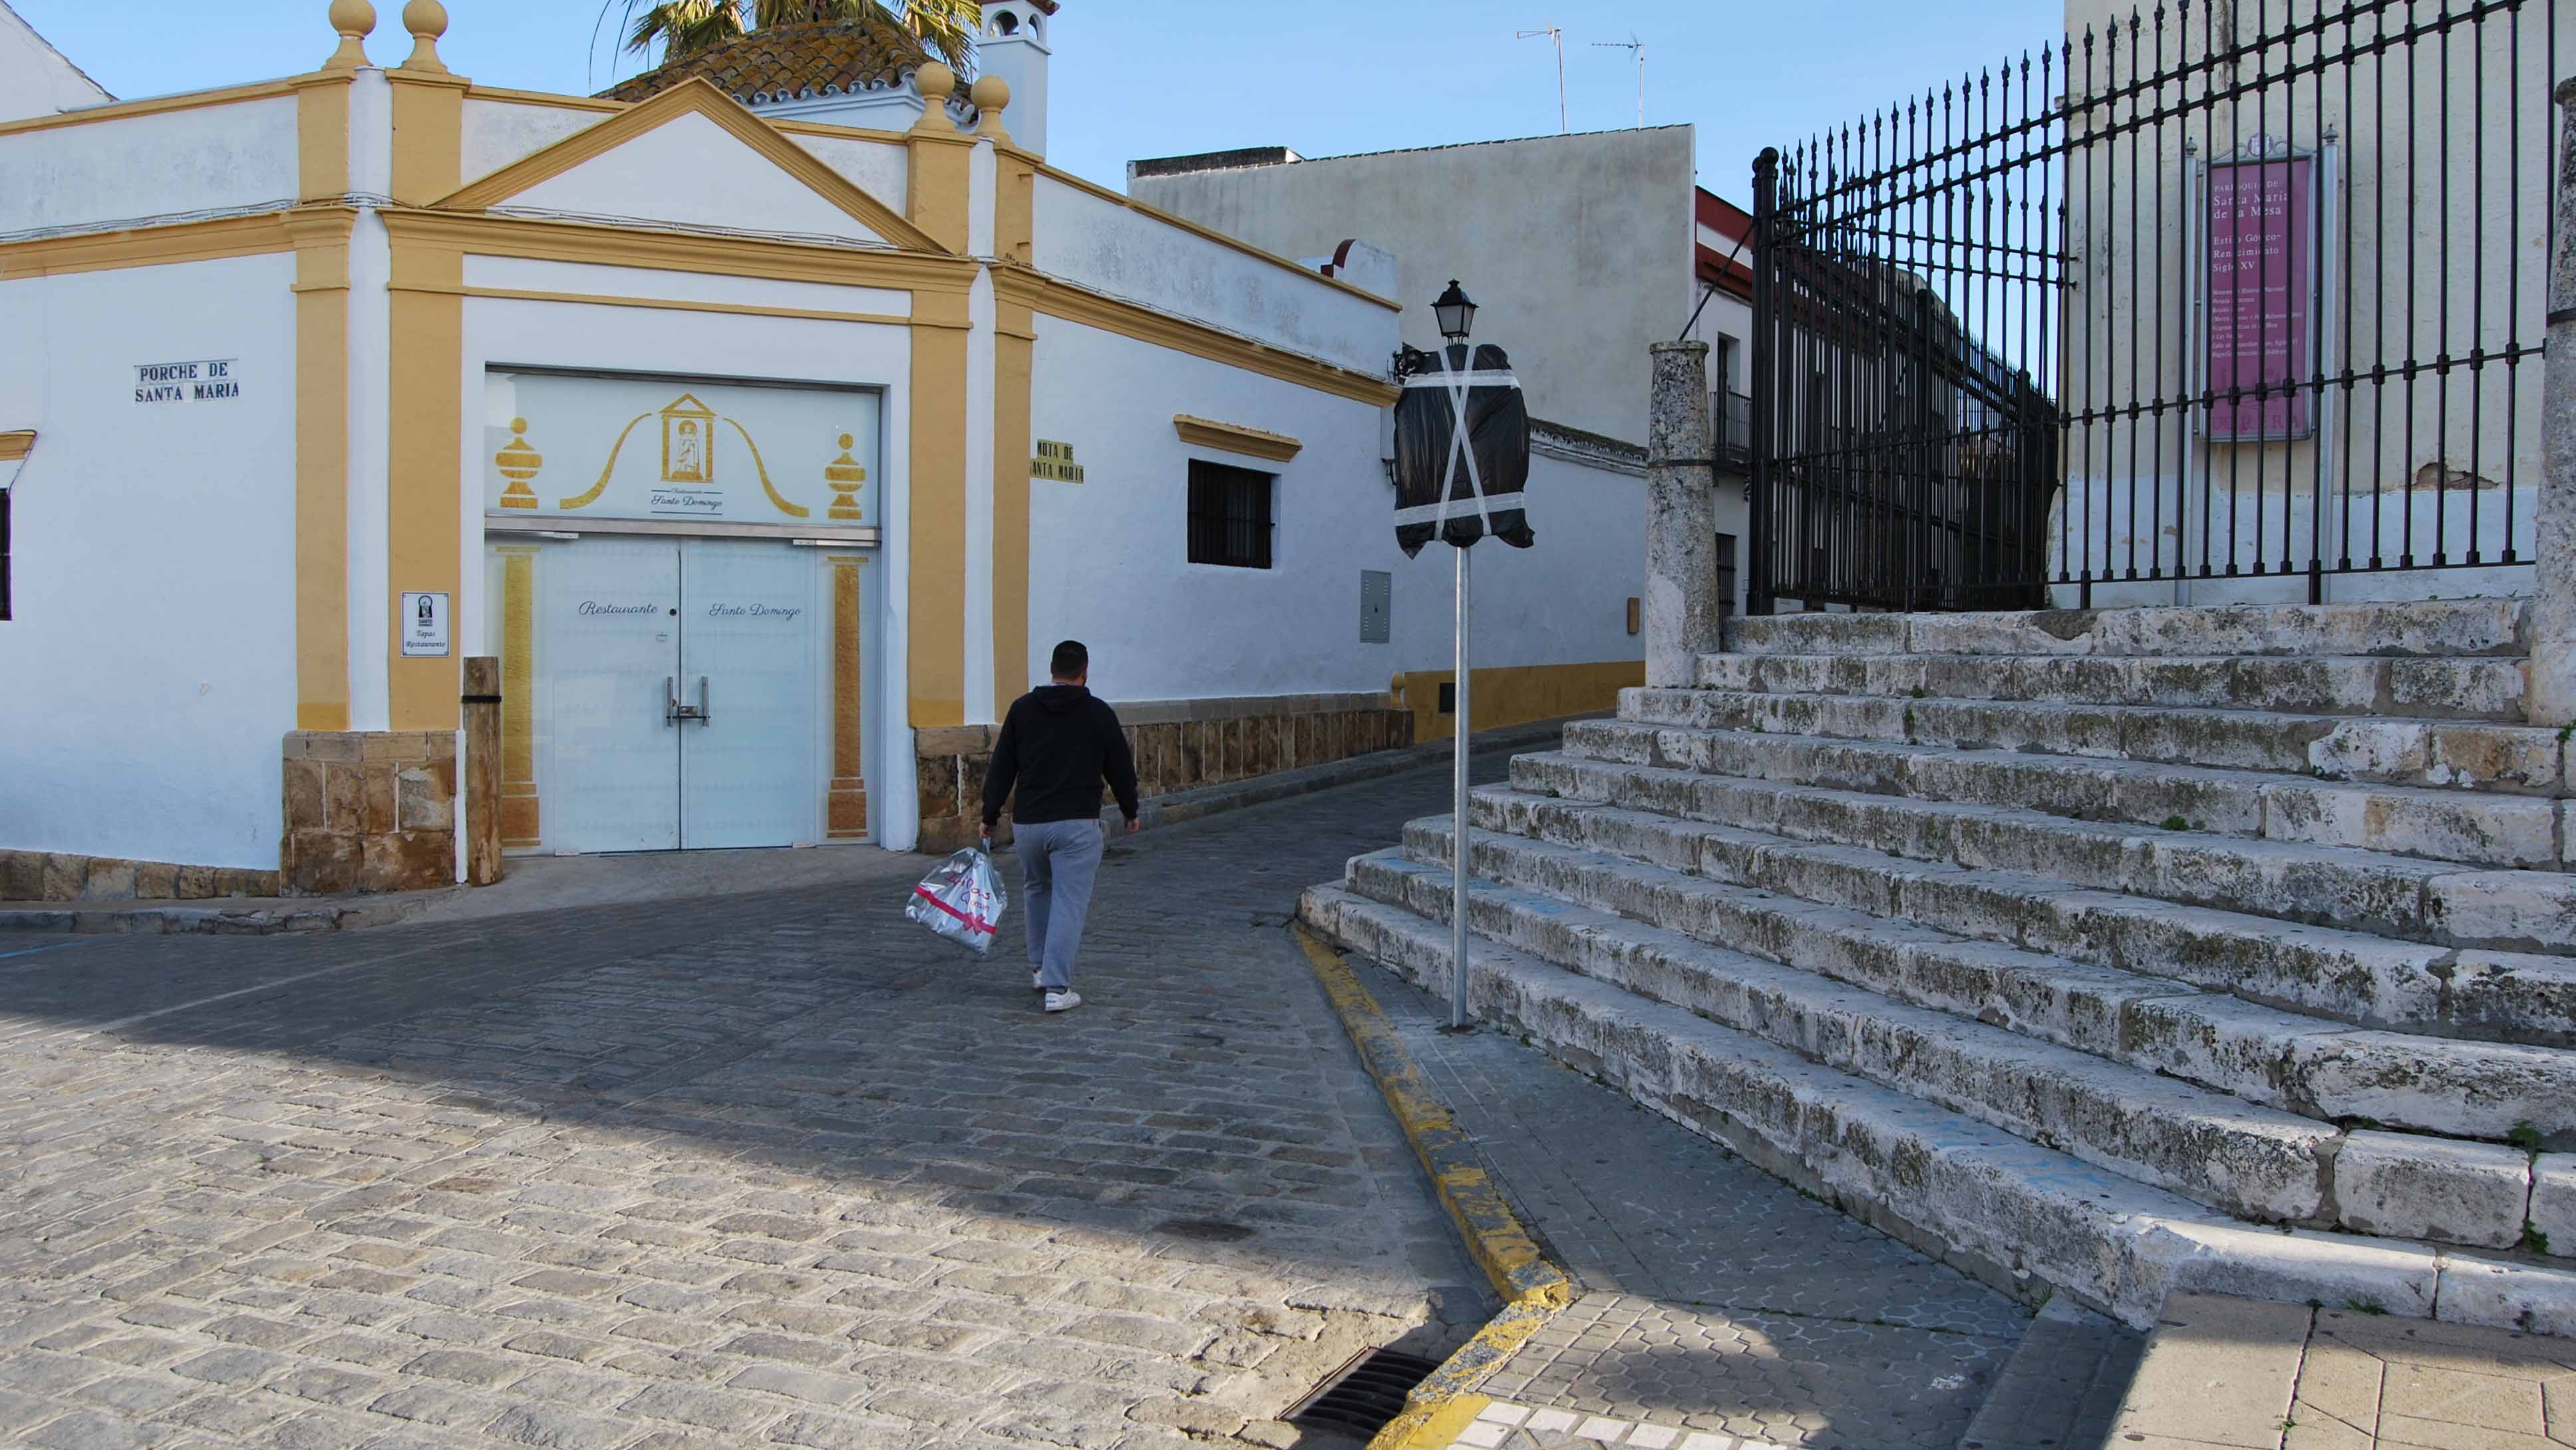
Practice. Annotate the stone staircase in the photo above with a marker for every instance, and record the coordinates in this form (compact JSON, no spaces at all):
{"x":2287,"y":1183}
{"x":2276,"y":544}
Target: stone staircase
{"x":2118,"y":952}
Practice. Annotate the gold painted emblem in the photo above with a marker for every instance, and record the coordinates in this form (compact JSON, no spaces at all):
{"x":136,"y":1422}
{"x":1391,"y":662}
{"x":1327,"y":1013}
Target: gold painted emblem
{"x":845,"y":475}
{"x":688,"y":441}
{"x":518,"y":463}
{"x":688,"y":456}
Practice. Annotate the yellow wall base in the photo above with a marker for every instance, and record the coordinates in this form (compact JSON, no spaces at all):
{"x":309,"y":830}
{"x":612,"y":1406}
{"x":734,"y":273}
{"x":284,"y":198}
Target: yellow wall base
{"x":1513,"y":694}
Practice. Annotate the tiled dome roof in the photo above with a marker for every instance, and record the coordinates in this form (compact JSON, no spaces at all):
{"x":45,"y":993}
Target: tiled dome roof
{"x":788,"y":62}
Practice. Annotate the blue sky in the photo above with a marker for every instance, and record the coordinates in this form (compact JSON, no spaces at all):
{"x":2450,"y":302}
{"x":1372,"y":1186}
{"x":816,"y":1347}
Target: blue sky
{"x":1160,"y":77}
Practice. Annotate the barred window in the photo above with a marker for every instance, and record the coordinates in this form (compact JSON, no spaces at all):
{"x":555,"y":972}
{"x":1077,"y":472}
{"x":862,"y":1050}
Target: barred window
{"x":1230,"y":520}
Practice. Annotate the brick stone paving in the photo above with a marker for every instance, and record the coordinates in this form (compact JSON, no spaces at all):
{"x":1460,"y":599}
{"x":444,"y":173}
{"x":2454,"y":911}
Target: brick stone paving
{"x":1722,"y":1308}
{"x":772,"y":1169}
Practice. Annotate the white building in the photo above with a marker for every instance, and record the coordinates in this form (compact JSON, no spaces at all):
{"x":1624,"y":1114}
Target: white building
{"x":769,"y":456}
{"x":1580,"y":250}
{"x":35,"y":78}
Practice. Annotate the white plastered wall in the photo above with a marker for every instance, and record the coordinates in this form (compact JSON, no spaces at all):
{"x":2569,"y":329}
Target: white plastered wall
{"x":150,"y":662}
{"x":240,"y":156}
{"x":35,"y":78}
{"x":1129,"y":254}
{"x":1577,"y":248}
{"x":691,"y":171}
{"x":1108,"y":557}
{"x":497,"y":133}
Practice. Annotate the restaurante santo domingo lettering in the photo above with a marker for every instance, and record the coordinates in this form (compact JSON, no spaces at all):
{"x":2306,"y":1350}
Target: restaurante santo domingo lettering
{"x":203,"y":381}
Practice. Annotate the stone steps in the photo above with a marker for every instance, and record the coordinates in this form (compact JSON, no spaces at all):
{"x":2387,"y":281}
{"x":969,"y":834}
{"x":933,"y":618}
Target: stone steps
{"x":2379,"y":750}
{"x":2395,"y":896}
{"x":2353,"y":977}
{"x":2252,"y":1162}
{"x":2470,"y":827}
{"x":2131,"y":950}
{"x":2319,"y":1069}
{"x":2432,"y":689}
{"x":2024,"y":1217}
{"x":2417,"y":629}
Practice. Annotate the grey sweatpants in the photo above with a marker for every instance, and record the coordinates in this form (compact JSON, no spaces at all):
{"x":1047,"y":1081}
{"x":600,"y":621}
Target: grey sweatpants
{"x":1058,"y":860}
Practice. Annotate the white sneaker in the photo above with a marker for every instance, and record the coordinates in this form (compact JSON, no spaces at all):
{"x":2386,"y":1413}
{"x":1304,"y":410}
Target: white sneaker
{"x":1037,"y":981}
{"x":1064,"y":1001}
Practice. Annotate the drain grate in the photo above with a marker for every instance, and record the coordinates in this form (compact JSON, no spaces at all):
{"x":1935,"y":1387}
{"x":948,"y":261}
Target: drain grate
{"x":1360,"y":1397}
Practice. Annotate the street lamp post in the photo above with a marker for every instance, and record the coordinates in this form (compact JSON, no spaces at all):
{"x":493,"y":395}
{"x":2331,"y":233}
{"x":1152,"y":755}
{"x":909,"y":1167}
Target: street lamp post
{"x":1457,"y":316}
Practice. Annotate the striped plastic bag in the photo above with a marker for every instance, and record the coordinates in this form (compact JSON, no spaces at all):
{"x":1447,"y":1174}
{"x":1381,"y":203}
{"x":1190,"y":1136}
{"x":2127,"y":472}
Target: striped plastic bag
{"x":961,"y":901}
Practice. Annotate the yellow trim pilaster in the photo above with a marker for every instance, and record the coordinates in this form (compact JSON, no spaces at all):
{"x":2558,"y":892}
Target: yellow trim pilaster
{"x":321,"y":238}
{"x":320,"y":233}
{"x":322,"y":134}
{"x":425,"y":375}
{"x":1015,"y":206}
{"x":429,"y":134}
{"x":936,"y":689}
{"x":938,"y":196}
{"x":521,"y":822}
{"x":425,"y":472}
{"x":845,"y":802}
{"x":1014,"y":369}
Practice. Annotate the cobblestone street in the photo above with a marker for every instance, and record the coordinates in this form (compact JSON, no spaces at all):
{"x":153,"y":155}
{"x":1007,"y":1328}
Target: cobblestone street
{"x":765,"y":1169}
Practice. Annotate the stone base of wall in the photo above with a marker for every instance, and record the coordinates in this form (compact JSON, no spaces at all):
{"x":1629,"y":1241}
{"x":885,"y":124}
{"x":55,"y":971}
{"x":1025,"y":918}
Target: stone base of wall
{"x":368,"y":811}
{"x":1179,"y":745}
{"x":65,"y":876}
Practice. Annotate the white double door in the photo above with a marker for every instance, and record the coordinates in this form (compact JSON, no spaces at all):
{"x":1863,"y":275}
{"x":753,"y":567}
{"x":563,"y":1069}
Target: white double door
{"x":682,"y":694}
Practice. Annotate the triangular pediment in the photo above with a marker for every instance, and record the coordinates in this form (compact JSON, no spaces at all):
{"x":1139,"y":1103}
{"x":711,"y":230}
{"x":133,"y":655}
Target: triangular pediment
{"x":692,"y":156}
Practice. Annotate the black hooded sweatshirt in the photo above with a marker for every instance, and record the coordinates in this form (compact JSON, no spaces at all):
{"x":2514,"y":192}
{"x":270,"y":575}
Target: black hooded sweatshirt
{"x":1058,"y":743}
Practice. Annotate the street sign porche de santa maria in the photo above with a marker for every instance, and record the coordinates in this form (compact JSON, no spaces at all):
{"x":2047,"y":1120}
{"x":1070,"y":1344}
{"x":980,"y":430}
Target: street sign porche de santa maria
{"x":1461,"y":461}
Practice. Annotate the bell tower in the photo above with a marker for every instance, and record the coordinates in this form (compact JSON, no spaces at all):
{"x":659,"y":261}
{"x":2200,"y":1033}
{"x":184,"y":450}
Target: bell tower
{"x":1017,"y":38}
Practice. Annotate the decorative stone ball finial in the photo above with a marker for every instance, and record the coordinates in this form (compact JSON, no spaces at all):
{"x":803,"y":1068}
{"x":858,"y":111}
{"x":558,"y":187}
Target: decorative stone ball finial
{"x":991,"y":95}
{"x":936,"y":83}
{"x":355,"y":20}
{"x":427,"y":21}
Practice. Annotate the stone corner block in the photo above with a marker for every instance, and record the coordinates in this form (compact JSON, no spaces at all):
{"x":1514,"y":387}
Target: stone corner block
{"x":2553,"y":1203}
{"x":938,"y":740}
{"x":2407,"y":1186}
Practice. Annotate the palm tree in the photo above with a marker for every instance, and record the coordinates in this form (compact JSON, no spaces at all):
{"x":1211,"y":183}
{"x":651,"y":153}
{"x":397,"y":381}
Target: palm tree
{"x":945,"y":28}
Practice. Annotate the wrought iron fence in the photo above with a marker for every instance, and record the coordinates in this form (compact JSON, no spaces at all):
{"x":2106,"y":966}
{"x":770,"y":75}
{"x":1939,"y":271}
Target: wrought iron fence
{"x":2249,"y":293}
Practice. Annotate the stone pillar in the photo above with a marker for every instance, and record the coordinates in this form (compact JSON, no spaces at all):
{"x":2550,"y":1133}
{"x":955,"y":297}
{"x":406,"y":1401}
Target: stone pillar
{"x":482,"y":773}
{"x":2552,"y":700}
{"x":1681,"y":603}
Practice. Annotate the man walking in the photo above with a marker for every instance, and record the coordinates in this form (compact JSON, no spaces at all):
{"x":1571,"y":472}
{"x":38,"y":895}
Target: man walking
{"x":1058,"y":743}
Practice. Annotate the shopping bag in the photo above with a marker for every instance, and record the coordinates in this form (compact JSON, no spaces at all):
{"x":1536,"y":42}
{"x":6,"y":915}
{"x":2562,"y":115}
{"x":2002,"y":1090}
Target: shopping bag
{"x":961,"y":901}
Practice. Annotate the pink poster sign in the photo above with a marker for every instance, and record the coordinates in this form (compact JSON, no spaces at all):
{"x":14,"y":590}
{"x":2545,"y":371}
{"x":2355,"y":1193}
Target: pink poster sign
{"x":2262,"y":298}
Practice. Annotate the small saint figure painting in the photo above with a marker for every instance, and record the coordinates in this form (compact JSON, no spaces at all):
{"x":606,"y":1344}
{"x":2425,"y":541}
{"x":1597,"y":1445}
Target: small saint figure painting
{"x":688,"y":437}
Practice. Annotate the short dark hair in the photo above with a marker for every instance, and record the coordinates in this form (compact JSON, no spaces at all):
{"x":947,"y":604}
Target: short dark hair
{"x":1070,"y":660}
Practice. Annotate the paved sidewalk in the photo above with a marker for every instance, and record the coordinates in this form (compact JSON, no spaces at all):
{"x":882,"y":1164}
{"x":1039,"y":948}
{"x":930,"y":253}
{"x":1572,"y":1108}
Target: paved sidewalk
{"x":773,"y":1169}
{"x":2232,"y":1374}
{"x":1719,"y":1308}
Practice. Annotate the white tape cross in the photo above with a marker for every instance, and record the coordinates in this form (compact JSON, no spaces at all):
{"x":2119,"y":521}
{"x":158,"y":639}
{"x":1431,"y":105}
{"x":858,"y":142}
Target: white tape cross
{"x":1457,"y":385}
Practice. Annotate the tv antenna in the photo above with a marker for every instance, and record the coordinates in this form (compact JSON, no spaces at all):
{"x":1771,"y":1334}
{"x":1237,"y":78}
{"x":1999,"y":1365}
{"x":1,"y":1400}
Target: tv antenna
{"x":1632,"y":43}
{"x":1558,"y":36}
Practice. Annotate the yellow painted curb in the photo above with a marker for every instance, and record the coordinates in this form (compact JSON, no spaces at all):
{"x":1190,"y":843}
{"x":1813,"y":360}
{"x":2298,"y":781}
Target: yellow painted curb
{"x":1533,"y":1289}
